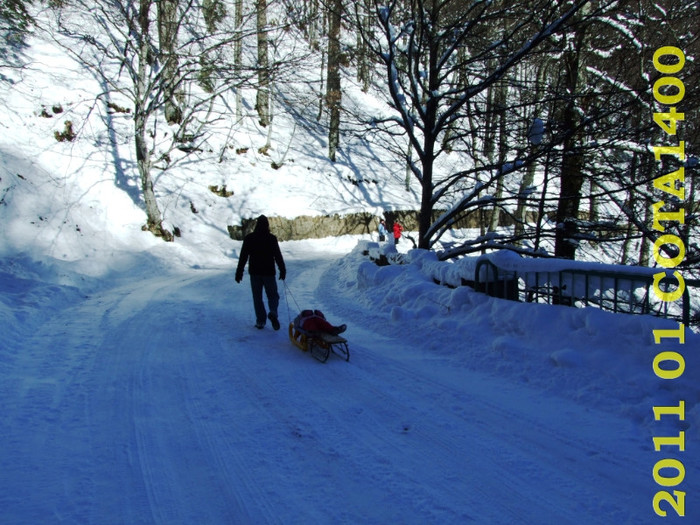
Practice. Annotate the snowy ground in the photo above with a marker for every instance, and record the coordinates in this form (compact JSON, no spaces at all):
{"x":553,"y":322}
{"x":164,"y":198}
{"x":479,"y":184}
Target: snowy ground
{"x":142,"y":398}
{"x":134,"y":388}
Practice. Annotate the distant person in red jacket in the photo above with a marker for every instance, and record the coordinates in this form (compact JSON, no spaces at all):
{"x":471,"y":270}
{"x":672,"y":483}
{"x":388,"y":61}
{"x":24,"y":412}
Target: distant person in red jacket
{"x":397,"y":232}
{"x":264,"y":251}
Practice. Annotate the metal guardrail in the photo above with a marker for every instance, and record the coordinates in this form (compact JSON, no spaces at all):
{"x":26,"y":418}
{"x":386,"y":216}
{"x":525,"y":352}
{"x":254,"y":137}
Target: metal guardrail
{"x":619,"y":292}
{"x":627,"y":290}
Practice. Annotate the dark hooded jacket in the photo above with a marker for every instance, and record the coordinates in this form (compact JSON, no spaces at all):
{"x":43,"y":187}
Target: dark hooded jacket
{"x":263,"y":250}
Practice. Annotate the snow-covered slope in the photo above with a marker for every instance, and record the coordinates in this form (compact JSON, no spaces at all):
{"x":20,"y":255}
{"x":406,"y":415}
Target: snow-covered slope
{"x":66,"y":199}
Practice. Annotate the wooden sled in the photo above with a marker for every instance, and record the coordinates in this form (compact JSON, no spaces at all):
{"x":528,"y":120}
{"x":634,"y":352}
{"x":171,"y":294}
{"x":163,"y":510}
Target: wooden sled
{"x":319,"y":344}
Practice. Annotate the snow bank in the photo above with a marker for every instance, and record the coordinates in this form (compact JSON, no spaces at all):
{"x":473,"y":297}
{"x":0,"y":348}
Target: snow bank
{"x":597,"y":358}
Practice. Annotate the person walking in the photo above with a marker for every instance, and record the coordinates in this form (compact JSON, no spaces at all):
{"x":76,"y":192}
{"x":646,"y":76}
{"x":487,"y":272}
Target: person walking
{"x":263,"y":250}
{"x":397,"y":232}
{"x":383,"y":232}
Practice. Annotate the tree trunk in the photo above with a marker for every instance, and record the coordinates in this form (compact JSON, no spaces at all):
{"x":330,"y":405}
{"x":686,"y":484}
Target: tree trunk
{"x":311,"y":10}
{"x":238,"y":53}
{"x":500,"y":104}
{"x":427,"y":157}
{"x":541,"y":205}
{"x":631,"y":203}
{"x":333,"y":92}
{"x":426,"y":204}
{"x":167,"y":37}
{"x":521,"y":209}
{"x":363,"y":59}
{"x":143,"y":156}
{"x":569,"y":197}
{"x":262,"y":100}
{"x":409,"y":161}
{"x":535,"y":136}
{"x":572,"y":160}
{"x":645,"y":245}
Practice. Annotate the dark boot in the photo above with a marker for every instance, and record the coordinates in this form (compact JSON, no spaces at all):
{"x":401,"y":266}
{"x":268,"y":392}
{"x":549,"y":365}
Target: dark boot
{"x":275,"y":322}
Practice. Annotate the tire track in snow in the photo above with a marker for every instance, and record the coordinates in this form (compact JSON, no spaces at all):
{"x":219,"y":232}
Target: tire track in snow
{"x":125,"y":402}
{"x":381,"y":455}
{"x":57,"y":477}
{"x":109,"y":395}
{"x":176,"y":410}
{"x":225,"y":417}
{"x":190,"y":472}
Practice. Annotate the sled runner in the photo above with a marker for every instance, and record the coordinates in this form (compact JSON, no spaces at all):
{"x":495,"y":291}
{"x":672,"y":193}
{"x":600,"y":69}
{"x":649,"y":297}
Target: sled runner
{"x":319,"y":344}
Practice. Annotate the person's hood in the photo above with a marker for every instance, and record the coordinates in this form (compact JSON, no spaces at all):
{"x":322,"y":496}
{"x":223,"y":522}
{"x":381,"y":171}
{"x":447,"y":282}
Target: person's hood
{"x":262,"y":225}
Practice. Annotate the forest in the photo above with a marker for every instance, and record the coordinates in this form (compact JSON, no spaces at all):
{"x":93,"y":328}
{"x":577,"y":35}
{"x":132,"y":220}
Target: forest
{"x":570,"y":121}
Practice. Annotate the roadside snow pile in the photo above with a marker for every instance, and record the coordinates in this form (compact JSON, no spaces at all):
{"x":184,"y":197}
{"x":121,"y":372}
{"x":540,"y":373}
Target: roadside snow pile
{"x":600,"y":359}
{"x":30,"y":293}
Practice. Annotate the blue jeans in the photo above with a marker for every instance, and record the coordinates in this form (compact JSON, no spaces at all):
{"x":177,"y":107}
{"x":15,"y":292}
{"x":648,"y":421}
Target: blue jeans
{"x":257,"y":283}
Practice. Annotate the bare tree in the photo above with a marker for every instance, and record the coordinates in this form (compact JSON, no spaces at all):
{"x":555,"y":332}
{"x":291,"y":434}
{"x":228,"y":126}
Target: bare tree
{"x":140,"y":22}
{"x":262,"y":101}
{"x":168,"y":27}
{"x":363,"y":57}
{"x":572,"y":176}
{"x":421,"y":49}
{"x":120,"y":43}
{"x":333,"y":91}
{"x":238,"y":53}
{"x":606,"y":171}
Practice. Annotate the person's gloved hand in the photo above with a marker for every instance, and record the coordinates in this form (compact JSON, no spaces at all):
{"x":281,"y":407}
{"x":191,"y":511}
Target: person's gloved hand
{"x":239,"y":277}
{"x":283,"y":275}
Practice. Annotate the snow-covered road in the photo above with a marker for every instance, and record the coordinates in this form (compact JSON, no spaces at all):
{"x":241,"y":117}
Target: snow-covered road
{"x":154,"y":400}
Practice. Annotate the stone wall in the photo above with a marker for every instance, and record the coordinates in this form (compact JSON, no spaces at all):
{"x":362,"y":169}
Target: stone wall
{"x":318,"y":227}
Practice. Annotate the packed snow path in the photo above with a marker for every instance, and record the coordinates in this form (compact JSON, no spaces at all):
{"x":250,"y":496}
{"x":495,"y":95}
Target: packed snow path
{"x":156,"y":401}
